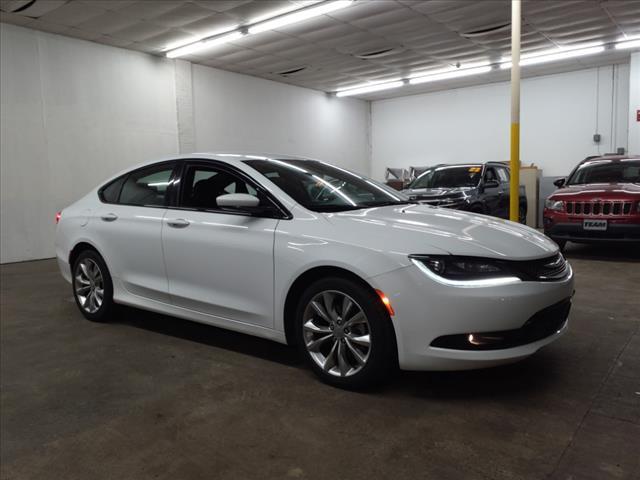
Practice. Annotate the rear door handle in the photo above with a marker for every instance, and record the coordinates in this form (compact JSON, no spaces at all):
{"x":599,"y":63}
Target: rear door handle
{"x":109,"y":217}
{"x":178,"y":223}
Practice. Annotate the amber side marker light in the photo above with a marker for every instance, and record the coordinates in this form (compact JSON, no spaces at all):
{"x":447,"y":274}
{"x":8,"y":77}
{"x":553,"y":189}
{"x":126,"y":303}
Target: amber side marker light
{"x":386,"y":302}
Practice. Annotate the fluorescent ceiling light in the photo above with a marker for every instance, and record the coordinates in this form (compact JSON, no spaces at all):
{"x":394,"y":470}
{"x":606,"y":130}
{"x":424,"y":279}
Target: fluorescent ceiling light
{"x":555,"y":55}
{"x":299,"y":16}
{"x":204,"y":44}
{"x":628,"y":43}
{"x":376,"y":87}
{"x":447,"y":75}
{"x":276,"y":20}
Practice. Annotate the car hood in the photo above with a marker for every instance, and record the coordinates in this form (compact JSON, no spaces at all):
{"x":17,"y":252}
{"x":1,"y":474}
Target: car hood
{"x":604,"y":190}
{"x":421,"y":229}
{"x":436,"y":192}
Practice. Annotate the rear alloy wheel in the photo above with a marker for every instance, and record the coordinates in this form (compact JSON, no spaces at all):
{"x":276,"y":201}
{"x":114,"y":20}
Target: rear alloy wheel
{"x":92,"y":287}
{"x":345,"y":333}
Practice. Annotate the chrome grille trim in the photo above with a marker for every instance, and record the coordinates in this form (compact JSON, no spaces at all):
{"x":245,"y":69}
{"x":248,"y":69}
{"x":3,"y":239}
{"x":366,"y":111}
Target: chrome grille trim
{"x":599,"y":208}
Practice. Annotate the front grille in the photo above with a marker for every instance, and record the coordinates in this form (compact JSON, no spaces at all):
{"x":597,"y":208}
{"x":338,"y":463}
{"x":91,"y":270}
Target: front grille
{"x":543,"y":324}
{"x":609,"y":207}
{"x":543,"y":270}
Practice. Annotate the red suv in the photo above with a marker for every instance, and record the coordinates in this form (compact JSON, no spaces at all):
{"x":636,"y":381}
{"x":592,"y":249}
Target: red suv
{"x":598,"y":201}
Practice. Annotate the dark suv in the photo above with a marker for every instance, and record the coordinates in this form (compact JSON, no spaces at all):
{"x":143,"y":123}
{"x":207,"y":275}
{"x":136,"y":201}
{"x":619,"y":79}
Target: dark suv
{"x":476,"y":187}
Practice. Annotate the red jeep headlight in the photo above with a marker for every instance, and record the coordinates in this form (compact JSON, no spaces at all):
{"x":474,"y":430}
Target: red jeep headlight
{"x":555,"y":205}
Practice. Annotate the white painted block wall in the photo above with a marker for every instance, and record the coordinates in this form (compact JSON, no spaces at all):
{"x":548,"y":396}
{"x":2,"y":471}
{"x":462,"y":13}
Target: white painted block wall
{"x":239,"y":112}
{"x":634,"y":103}
{"x":559,"y":115}
{"x":72,"y":114}
{"x":75,"y":112}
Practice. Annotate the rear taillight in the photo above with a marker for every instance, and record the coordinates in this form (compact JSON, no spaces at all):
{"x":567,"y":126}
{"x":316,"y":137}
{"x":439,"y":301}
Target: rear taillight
{"x":58,"y":217}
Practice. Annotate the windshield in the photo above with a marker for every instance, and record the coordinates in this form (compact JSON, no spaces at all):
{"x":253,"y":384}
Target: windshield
{"x":606,"y":171}
{"x":324,"y":188}
{"x":449,"y":177}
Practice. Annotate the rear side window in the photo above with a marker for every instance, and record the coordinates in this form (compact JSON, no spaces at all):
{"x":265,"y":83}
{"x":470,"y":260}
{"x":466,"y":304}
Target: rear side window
{"x":503,"y":173}
{"x":147,"y":186}
{"x":111,"y":192}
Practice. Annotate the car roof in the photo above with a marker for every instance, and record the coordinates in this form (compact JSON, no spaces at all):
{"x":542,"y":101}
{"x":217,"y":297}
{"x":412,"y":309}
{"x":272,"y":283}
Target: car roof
{"x":474,"y":164}
{"x":612,"y":158}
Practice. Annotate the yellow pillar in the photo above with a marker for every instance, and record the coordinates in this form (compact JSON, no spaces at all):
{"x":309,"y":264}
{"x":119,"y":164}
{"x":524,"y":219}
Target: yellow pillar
{"x":514,"y":187}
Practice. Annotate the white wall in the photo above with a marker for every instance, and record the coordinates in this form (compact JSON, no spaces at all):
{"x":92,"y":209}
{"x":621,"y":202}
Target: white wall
{"x":559,"y":115}
{"x":239,"y":112}
{"x":74,"y":112}
{"x":634,"y":104}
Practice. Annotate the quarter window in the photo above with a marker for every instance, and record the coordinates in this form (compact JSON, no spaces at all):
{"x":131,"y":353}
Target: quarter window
{"x":111,"y":192}
{"x":147,"y":186}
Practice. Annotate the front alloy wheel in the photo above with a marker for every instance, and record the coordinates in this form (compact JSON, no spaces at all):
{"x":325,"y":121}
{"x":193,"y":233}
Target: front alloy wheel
{"x":345,"y":333}
{"x":336,"y":333}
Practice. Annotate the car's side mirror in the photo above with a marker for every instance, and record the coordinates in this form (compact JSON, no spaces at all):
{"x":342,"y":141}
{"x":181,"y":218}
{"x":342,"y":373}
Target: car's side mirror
{"x":491,"y":184}
{"x":242,"y":201}
{"x":559,"y":182}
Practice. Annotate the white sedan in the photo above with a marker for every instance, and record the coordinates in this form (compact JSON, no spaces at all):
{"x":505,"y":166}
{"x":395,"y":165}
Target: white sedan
{"x":306,"y":253}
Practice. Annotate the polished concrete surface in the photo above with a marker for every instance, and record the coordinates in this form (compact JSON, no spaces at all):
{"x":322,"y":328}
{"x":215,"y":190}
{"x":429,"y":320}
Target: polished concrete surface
{"x":148,"y":396}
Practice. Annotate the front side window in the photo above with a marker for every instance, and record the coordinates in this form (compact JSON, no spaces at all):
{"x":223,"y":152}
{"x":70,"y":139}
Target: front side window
{"x":490,"y":175}
{"x":449,"y":177}
{"x":324,"y":188}
{"x":147,"y":186}
{"x":202,"y":184}
{"x":606,"y":171}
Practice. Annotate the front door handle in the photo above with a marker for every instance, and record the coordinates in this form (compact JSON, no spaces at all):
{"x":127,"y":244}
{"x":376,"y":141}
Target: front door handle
{"x":109,"y":217}
{"x":178,"y":223}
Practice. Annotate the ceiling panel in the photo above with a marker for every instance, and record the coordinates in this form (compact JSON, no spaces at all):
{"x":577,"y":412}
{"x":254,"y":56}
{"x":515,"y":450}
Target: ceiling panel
{"x":420,"y":35}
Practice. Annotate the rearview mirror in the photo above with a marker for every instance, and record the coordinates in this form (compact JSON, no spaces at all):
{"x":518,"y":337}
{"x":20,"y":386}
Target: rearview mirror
{"x":559,"y":182}
{"x":491,"y":184}
{"x":237,"y":200}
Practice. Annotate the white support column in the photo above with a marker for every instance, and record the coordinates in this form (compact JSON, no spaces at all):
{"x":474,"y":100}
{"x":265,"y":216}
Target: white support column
{"x":184,"y":106}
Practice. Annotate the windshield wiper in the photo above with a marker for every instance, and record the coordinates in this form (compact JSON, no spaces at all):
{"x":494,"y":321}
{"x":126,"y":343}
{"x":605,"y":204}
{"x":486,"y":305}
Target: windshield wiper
{"x":387,"y":204}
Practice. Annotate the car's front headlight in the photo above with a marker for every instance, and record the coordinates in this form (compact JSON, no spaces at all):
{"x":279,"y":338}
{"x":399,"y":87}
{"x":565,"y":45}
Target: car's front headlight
{"x":553,"y":204}
{"x":465,"y":271}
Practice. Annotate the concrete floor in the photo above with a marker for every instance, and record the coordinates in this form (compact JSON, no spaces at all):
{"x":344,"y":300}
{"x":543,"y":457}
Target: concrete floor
{"x":154,"y":397}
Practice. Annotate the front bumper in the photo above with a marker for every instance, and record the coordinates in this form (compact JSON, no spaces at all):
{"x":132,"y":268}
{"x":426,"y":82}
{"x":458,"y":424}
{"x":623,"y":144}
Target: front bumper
{"x":426,"y":310}
{"x":573,"y":231}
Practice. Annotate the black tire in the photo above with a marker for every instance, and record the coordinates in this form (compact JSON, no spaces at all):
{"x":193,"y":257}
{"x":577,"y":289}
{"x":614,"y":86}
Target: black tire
{"x":101,"y":314}
{"x":382,"y":357}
